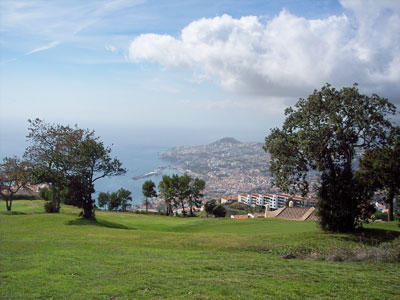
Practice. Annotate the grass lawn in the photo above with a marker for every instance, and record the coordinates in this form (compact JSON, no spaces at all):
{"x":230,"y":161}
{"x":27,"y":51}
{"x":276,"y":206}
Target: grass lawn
{"x":129,"y":256}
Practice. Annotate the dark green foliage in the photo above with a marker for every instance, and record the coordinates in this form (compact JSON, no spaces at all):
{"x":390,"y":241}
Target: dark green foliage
{"x":380,"y":169}
{"x":103,"y":199}
{"x":209,"y":207}
{"x":45,"y":194}
{"x":196,"y":193}
{"x":116,"y":200}
{"x":72,"y":159}
{"x":14,"y":175}
{"x":49,"y":207}
{"x":322,"y":133}
{"x":149,"y":191}
{"x":238,"y":205}
{"x":26,"y":197}
{"x":219,"y":211}
{"x":181,"y":191}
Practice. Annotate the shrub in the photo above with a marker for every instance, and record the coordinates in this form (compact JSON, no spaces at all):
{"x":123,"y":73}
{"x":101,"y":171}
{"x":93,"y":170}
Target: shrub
{"x":49,"y":208}
{"x":381,"y":216}
{"x":238,"y":205}
{"x":45,"y":194}
{"x":219,"y":211}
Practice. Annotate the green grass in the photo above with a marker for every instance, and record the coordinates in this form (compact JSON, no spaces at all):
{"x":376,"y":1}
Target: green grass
{"x":129,"y":256}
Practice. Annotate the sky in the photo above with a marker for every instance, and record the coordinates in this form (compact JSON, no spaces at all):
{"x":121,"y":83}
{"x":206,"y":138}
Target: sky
{"x":157,"y":72}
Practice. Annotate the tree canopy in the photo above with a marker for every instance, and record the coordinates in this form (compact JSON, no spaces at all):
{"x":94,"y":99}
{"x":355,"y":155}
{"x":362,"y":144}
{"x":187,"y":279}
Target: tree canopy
{"x":148,"y":190}
{"x":181,"y":191}
{"x":323,"y":133}
{"x":70,"y":157}
{"x":380,"y":169}
{"x":14,"y":174}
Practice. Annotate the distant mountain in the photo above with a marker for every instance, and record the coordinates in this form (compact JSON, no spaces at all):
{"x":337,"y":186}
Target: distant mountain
{"x":226,"y":140}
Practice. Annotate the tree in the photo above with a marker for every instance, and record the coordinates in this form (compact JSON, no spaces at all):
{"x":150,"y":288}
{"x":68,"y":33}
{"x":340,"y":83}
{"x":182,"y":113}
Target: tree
{"x":124,"y":196}
{"x":323,"y":133}
{"x":116,"y":200}
{"x":196,"y":187}
{"x":14,"y":174}
{"x":209,"y":207}
{"x":168,"y":191}
{"x":380,"y":169}
{"x":49,"y":154}
{"x":219,"y":211}
{"x":183,"y":190}
{"x":103,"y":199}
{"x":70,"y":157}
{"x":91,"y":161}
{"x":148,"y":190}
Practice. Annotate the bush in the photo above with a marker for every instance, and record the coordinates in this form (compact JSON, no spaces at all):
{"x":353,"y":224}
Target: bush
{"x":238,"y":205}
{"x":380,"y":216}
{"x":25,"y":197}
{"x":219,"y":211}
{"x":49,"y":208}
{"x":45,"y":194}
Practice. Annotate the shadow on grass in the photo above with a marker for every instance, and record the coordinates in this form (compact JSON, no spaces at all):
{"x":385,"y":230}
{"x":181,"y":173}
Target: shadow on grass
{"x":12,"y":213}
{"x":101,"y":223}
{"x":372,"y":236}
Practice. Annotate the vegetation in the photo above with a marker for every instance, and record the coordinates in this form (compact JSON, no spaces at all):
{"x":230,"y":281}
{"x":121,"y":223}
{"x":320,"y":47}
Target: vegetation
{"x":116,"y":200}
{"x":69,"y":158}
{"x":149,"y":191}
{"x":181,"y":191}
{"x":380,"y":169}
{"x":323,"y":133}
{"x":14,"y":174}
{"x":129,"y":256}
{"x":209,"y":207}
{"x":219,"y":211}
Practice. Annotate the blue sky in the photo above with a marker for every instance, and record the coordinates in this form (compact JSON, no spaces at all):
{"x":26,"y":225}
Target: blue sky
{"x":166,"y":72}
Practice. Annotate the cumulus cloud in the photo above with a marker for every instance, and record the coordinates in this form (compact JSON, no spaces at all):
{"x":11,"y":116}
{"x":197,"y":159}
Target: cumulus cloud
{"x":289,"y":55}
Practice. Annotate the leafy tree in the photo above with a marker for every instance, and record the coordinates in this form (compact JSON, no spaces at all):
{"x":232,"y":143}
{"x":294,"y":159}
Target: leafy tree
{"x":91,"y":162}
{"x":380,"y":169}
{"x":183,"y":190}
{"x":209,"y":207}
{"x":14,"y":174}
{"x":45,"y":194}
{"x":167,"y":187}
{"x":70,"y":157}
{"x":49,"y":154}
{"x":323,"y":133}
{"x":219,"y":211}
{"x":123,"y":196}
{"x":148,"y":190}
{"x":196,"y":188}
{"x":116,"y":200}
{"x":103,"y":199}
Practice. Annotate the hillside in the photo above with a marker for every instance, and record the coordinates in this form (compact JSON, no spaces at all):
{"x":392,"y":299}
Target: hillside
{"x":226,"y":140}
{"x":129,"y":256}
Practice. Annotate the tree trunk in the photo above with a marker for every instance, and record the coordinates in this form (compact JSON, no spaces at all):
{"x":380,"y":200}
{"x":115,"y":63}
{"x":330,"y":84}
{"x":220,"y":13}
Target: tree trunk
{"x":8,"y":204}
{"x":147,"y":204}
{"x":389,"y":201}
{"x":191,"y":209}
{"x":55,"y":196}
{"x":183,"y":208}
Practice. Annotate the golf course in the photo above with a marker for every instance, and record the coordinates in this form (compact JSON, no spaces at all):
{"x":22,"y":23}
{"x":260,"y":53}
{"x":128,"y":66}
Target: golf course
{"x":123,"y":255}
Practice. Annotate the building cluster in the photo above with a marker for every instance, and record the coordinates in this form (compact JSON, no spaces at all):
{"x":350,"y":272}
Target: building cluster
{"x":274,"y":201}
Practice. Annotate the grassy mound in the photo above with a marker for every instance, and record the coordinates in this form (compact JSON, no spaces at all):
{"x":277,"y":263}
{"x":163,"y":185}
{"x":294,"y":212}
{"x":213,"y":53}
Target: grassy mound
{"x":130,"y":256}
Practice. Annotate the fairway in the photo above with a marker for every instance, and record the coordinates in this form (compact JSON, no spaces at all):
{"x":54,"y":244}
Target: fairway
{"x":130,"y":256}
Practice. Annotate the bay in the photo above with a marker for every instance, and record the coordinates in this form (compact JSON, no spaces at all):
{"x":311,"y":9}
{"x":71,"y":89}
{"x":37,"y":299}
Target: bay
{"x":138,"y":160}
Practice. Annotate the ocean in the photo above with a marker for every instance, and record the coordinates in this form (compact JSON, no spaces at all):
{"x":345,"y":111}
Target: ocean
{"x":138,"y":160}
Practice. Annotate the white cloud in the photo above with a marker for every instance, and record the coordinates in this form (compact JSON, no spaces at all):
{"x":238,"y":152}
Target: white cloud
{"x":289,"y":55}
{"x":111,"y":48}
{"x":42,"y":48}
